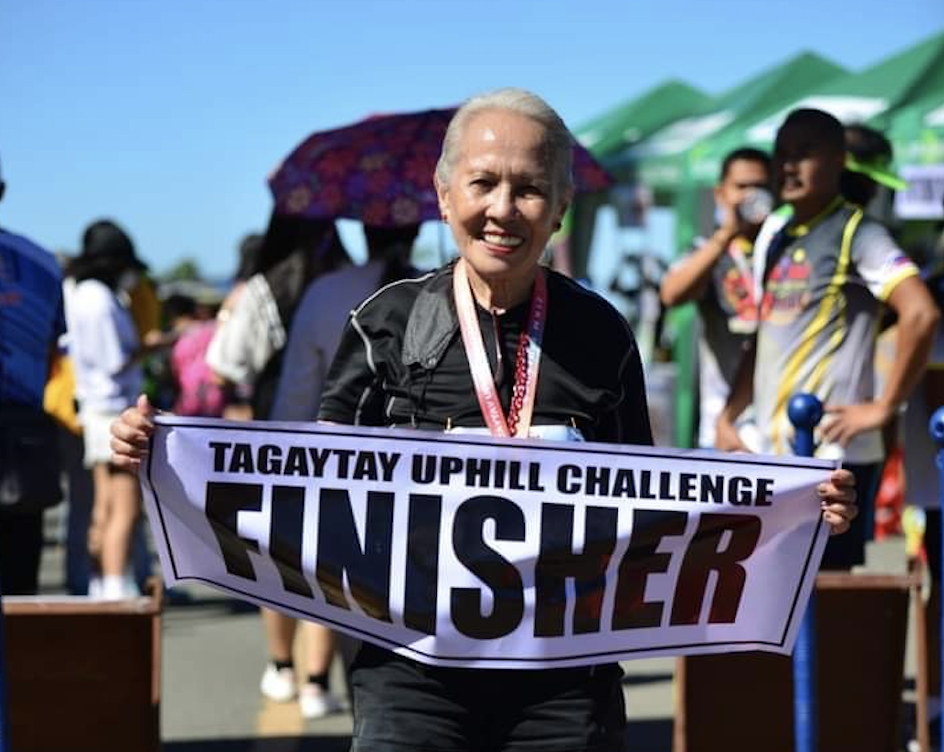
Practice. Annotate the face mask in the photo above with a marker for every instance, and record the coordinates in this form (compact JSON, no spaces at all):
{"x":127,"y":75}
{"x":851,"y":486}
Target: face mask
{"x":755,"y":207}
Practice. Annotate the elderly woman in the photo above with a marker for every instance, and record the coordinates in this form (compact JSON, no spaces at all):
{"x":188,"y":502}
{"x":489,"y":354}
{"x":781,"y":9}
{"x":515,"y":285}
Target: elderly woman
{"x":462,"y":349}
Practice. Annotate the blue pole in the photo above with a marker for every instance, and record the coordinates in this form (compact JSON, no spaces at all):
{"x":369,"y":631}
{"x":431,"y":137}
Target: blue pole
{"x":805,"y":412}
{"x":4,"y":726}
{"x":936,"y":429}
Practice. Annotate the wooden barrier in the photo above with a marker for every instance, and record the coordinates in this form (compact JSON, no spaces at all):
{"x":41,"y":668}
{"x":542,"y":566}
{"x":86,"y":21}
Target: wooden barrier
{"x":83,"y":674}
{"x":744,"y":701}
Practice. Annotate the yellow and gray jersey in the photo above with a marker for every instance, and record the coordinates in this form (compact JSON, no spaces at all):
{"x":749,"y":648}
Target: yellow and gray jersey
{"x":822,"y":297}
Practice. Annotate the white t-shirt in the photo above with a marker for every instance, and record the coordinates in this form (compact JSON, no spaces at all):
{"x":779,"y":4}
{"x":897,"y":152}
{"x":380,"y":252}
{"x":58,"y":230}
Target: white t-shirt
{"x":102,"y":340}
{"x":315,"y":334}
{"x":250,"y":336}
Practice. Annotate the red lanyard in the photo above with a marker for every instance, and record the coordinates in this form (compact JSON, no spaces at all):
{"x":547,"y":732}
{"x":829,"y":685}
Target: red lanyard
{"x":527,"y":360}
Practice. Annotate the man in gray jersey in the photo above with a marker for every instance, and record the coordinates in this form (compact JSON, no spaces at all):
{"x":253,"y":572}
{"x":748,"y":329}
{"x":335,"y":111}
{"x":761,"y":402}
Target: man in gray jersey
{"x":827,"y":274}
{"x":717,"y":275}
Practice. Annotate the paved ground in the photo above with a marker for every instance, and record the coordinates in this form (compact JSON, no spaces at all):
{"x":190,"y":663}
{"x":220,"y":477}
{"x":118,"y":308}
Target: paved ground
{"x":213,"y":649}
{"x":213,"y":655}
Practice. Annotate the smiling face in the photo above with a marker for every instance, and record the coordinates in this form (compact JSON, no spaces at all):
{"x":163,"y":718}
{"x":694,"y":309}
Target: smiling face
{"x":807,"y":168}
{"x":502,"y":202}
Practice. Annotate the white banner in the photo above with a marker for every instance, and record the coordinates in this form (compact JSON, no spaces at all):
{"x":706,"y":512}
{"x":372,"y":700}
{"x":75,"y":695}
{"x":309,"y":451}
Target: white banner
{"x":463,"y":550}
{"x":921,"y":199}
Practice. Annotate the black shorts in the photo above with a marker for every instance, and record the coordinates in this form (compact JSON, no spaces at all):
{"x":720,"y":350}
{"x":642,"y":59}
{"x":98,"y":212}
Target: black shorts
{"x":402,"y":705}
{"x":21,"y":548}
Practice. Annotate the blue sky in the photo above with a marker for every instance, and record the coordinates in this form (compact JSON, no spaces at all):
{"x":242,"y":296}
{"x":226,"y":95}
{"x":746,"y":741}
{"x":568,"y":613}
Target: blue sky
{"x":167,"y":116}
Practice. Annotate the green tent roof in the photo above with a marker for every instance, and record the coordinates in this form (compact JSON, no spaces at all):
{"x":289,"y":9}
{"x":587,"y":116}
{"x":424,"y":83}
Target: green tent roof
{"x":904,"y":77}
{"x":859,"y":97}
{"x":916,"y":130}
{"x":637,"y":118}
{"x":662,"y":160}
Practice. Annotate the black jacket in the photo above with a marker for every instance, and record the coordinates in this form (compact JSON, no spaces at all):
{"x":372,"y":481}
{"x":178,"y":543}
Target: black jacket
{"x":401,"y":361}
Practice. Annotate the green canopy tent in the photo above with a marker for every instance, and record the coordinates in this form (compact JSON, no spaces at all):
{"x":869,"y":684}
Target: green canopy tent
{"x":629,"y":122}
{"x":895,"y":94}
{"x":872,"y":95}
{"x":916,"y":131}
{"x":611,"y":132}
{"x":664,"y":163}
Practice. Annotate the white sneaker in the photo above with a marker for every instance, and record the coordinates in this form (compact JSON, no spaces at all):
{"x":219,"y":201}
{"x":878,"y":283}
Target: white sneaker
{"x":278,"y":684}
{"x":95,"y":587}
{"x":314,"y":702}
{"x":114,"y":587}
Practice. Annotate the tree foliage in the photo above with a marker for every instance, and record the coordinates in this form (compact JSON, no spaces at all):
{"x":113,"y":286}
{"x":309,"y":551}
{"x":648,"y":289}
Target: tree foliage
{"x":185,"y":269}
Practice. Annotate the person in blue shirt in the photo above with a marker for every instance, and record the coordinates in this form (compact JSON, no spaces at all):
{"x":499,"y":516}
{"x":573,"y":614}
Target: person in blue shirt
{"x":31,"y":320}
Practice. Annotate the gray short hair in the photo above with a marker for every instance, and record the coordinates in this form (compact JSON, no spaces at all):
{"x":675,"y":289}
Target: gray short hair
{"x":559,"y":141}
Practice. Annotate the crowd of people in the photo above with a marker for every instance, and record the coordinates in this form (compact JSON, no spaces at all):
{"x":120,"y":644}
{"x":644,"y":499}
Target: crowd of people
{"x":791,"y":296}
{"x":794,"y":301}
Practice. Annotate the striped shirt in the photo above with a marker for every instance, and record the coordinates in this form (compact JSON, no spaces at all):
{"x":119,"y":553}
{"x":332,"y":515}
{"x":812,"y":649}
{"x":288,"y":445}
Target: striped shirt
{"x":821,"y":303}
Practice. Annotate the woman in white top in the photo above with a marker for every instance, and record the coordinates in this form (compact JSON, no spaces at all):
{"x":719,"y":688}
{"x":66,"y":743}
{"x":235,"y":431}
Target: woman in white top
{"x":104,"y":346}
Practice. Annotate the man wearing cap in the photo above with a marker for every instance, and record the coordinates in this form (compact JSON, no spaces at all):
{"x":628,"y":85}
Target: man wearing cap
{"x":868,"y":165}
{"x":827,"y":274}
{"x":31,"y":320}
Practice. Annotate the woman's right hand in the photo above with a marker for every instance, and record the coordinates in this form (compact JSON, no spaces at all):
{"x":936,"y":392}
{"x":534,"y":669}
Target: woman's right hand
{"x":131,"y":433}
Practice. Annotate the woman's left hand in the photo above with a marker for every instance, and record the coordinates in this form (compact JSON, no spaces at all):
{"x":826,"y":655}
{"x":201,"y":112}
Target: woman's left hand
{"x":838,"y":499}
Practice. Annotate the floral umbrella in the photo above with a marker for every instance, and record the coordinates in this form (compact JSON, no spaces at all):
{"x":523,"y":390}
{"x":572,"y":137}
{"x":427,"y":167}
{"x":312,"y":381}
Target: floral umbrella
{"x":380,"y":171}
